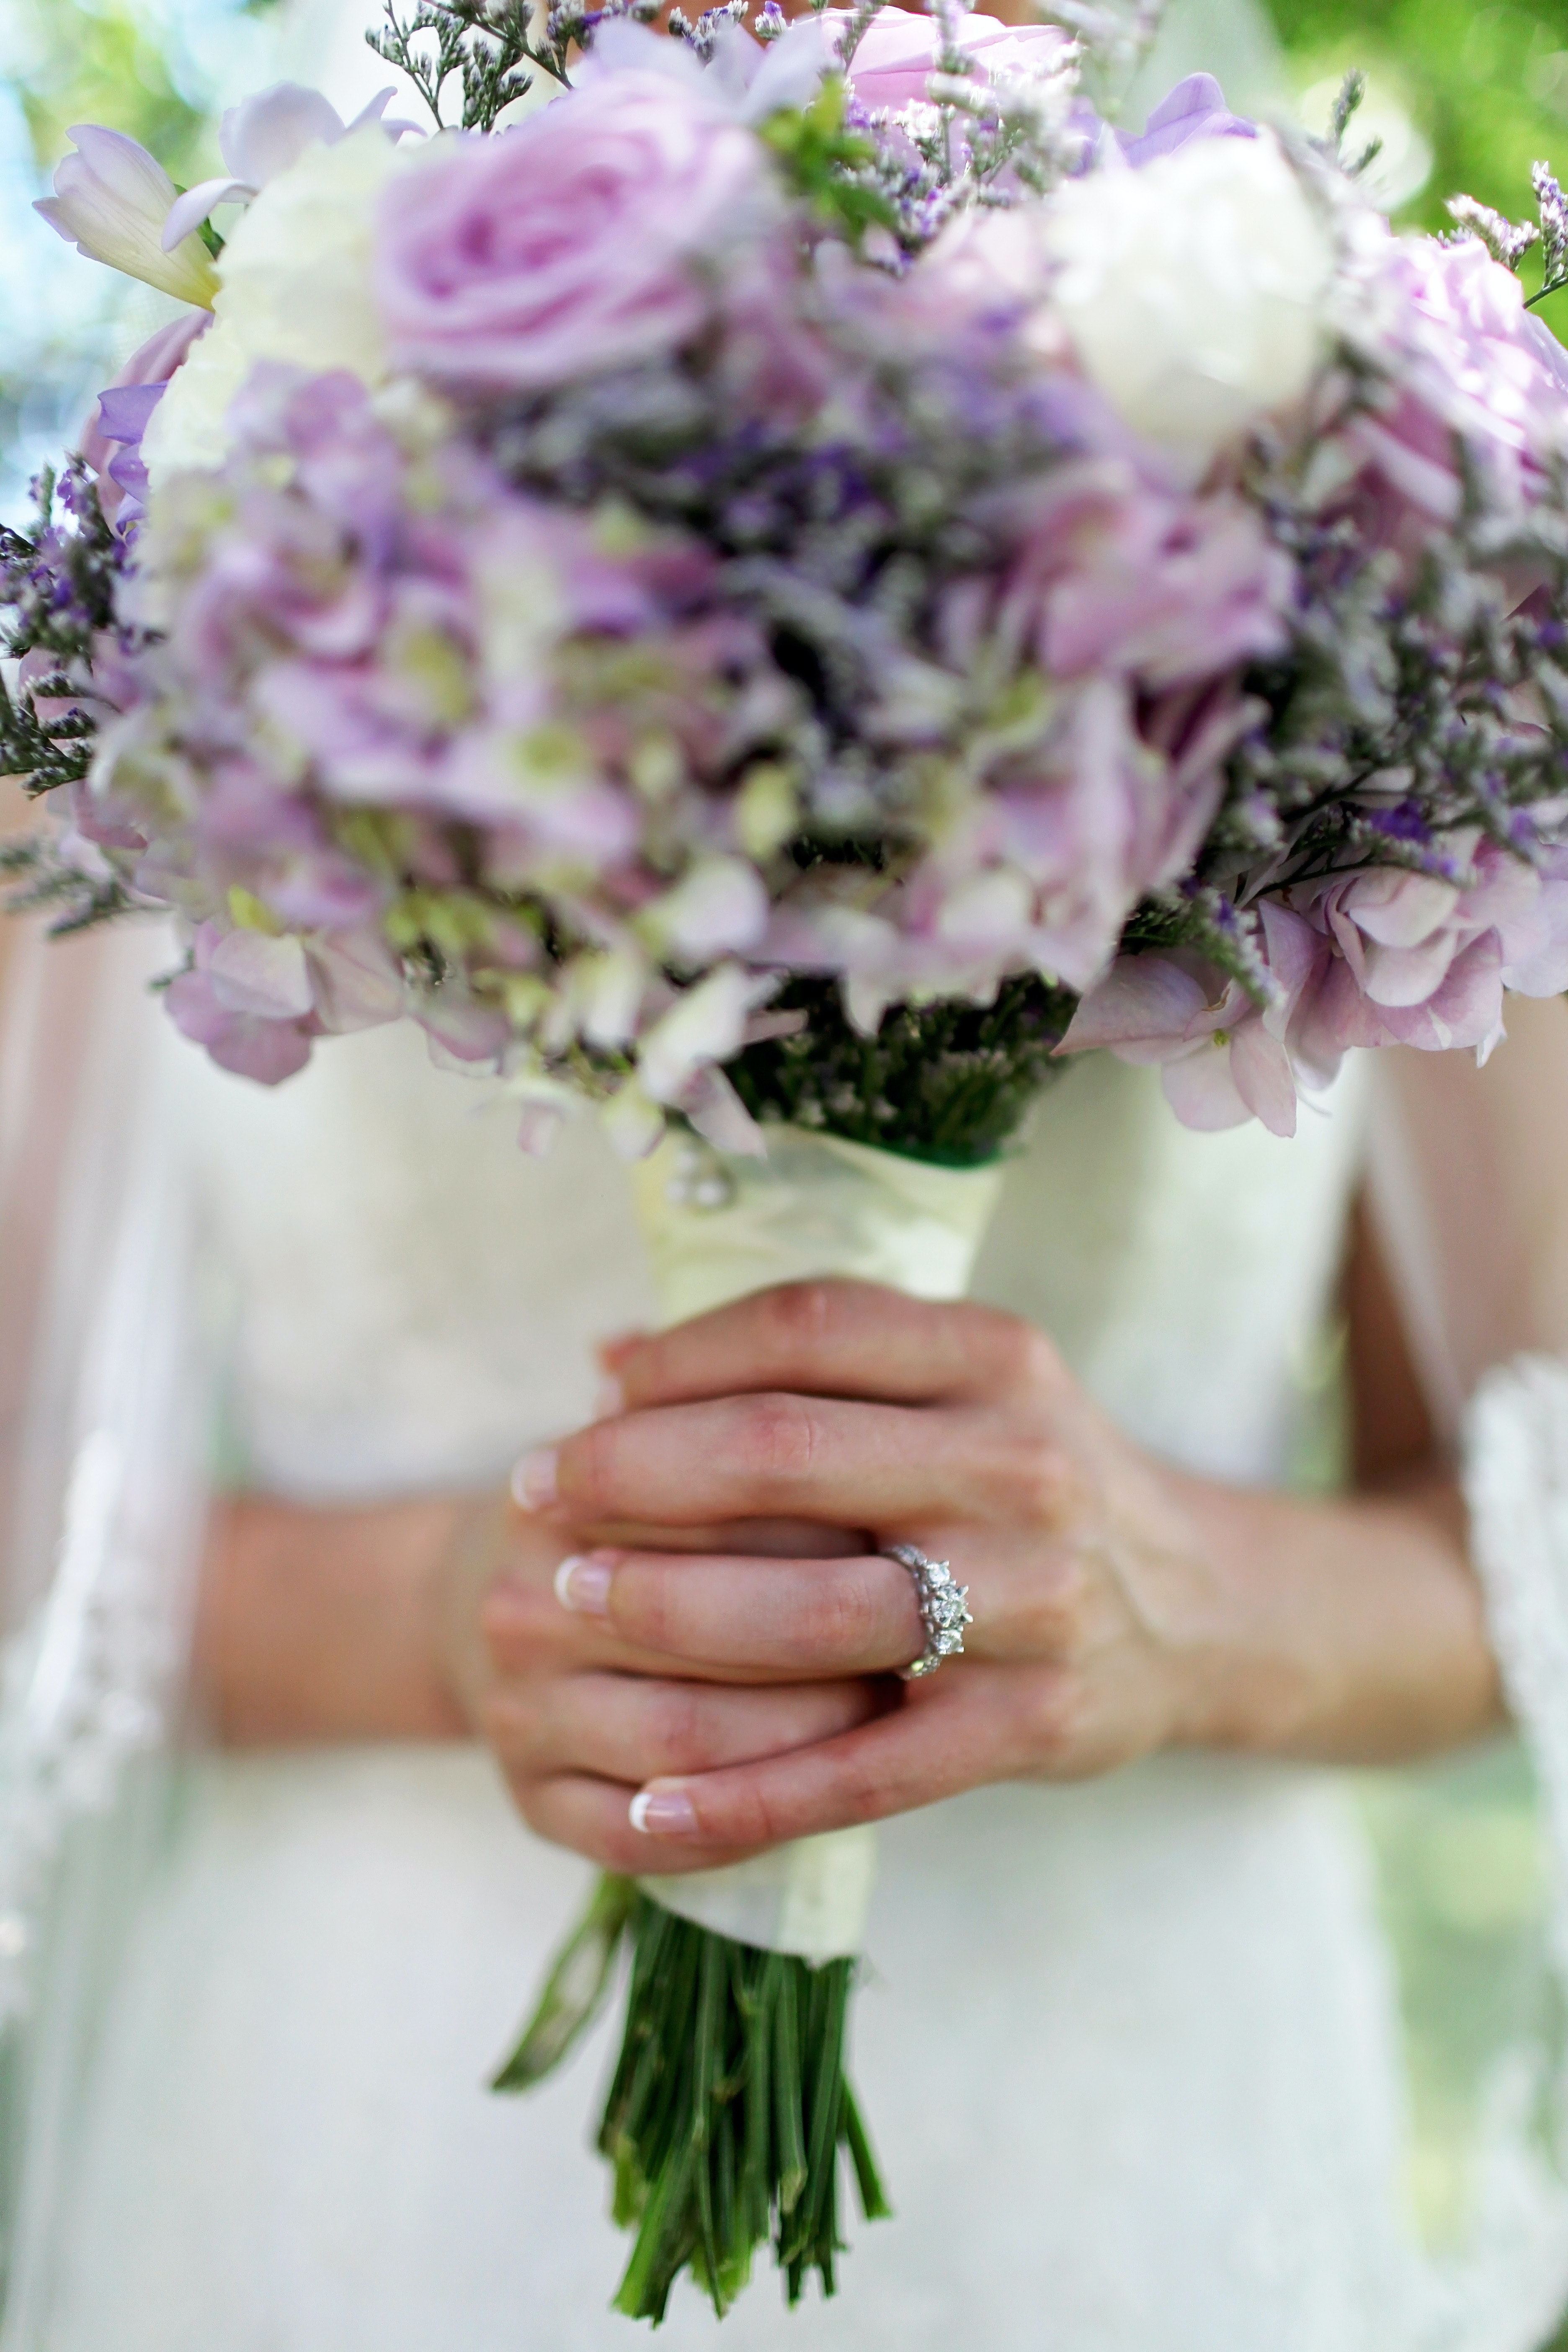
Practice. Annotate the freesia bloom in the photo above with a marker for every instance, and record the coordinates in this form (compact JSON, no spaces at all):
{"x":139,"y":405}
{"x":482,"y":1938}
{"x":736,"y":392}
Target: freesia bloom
{"x":111,"y":446}
{"x":1192,"y":290}
{"x":261,"y":139}
{"x":1195,"y":109}
{"x":296,"y":291}
{"x":111,"y":201}
{"x":574,"y":243}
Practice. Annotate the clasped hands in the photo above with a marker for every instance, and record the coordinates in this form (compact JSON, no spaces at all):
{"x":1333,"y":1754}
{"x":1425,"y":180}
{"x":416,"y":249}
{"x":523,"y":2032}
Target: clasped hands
{"x":694,"y":1647}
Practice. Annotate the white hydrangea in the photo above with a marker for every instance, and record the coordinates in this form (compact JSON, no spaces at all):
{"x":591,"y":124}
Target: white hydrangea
{"x":295,"y":287}
{"x":1194,"y":290}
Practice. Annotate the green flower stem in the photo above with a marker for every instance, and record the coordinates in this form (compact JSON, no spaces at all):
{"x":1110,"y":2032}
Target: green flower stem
{"x":728,"y":2104}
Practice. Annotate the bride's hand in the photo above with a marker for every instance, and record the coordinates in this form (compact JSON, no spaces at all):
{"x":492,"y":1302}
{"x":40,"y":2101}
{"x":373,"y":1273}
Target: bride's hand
{"x":1118,"y":1606}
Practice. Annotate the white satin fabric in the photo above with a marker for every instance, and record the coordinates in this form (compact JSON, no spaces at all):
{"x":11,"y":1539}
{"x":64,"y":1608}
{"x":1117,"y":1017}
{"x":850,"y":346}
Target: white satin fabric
{"x":1129,"y":2050}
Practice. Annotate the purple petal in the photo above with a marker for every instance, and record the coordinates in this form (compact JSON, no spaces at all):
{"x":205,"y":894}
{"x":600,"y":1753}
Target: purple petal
{"x":1202,"y":1092}
{"x":189,"y":211}
{"x":1195,"y":109}
{"x":251,"y":973}
{"x":1144,"y":1005}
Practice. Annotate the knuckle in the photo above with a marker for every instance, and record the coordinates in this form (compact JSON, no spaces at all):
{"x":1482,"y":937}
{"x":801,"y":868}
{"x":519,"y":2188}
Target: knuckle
{"x":516,"y":1625}
{"x":752,"y":1818}
{"x":1016,"y":1353}
{"x":846,"y":1612}
{"x":1039,"y":1481}
{"x":679,"y":1732}
{"x":528,"y":1795}
{"x":509,"y":1724}
{"x":587,"y":1465}
{"x":776,"y":1438}
{"x":798,"y":1317}
{"x":646,"y":1604}
{"x":1060,"y":1608}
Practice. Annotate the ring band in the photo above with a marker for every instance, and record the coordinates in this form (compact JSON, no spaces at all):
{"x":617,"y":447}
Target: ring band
{"x":943,"y":1607}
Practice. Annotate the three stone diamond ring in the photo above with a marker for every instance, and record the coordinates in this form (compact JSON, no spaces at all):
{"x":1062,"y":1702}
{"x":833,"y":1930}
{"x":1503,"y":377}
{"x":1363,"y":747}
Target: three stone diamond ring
{"x":943,"y":1607}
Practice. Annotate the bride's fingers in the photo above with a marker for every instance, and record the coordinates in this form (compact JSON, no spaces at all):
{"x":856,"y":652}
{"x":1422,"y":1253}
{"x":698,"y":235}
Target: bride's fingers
{"x":593,"y":1817}
{"x":773,"y":1456}
{"x":632,"y":1728}
{"x":790,"y":1618}
{"x":780,"y":1539}
{"x":983,"y":1726}
{"x":834,"y":1339}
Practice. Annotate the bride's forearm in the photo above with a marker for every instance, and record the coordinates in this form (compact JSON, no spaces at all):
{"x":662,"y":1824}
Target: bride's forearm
{"x":335,"y":1624}
{"x":1353,"y":1629}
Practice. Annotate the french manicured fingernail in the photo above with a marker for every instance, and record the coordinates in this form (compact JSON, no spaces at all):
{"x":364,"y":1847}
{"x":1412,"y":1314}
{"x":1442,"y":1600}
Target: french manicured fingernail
{"x":610,"y":1400}
{"x":533,"y":1479}
{"x":663,"y":1813}
{"x":583,"y":1584}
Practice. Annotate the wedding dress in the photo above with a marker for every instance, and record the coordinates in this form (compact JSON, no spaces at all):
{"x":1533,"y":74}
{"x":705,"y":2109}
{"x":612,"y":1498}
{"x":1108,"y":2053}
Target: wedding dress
{"x":1132,"y":2051}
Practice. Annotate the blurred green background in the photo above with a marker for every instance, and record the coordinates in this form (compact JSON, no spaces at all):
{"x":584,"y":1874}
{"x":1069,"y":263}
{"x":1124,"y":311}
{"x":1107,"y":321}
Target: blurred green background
{"x":1465,"y":98}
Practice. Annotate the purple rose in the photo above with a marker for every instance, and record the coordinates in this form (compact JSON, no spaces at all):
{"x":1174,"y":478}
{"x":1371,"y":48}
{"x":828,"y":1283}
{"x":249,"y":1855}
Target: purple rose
{"x":1470,"y":364}
{"x":898,"y":52}
{"x":574,"y":243}
{"x":1113,"y":576}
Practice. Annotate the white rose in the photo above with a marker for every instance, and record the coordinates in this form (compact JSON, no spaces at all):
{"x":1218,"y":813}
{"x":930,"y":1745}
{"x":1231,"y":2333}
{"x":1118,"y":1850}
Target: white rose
{"x":295,"y":287}
{"x":1193,"y":291}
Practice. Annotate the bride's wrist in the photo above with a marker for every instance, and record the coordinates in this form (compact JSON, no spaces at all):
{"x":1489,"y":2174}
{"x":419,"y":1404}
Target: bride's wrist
{"x":1347,"y":1630}
{"x":325,"y":1624}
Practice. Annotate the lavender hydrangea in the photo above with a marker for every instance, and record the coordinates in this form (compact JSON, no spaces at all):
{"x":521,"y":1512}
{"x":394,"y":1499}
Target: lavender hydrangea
{"x":786,"y":562}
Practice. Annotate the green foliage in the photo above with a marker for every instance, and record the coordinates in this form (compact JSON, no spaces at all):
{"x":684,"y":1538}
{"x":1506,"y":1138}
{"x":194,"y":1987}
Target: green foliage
{"x":103,"y":63}
{"x":947,"y":1082}
{"x":829,"y":165}
{"x":57,"y":593}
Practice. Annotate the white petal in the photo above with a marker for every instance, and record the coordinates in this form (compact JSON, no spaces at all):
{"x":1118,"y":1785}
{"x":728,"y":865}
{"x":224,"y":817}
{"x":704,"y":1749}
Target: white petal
{"x":718,"y":907}
{"x":790,"y":71}
{"x":111,"y":201}
{"x":253,"y":973}
{"x":706,"y":1023}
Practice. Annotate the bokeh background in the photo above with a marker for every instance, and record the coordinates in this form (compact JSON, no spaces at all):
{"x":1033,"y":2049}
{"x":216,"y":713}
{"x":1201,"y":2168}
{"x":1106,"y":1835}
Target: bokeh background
{"x":1464,"y":96}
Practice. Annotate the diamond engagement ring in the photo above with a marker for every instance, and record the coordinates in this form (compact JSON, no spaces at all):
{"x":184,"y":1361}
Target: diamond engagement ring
{"x":943,"y":1607}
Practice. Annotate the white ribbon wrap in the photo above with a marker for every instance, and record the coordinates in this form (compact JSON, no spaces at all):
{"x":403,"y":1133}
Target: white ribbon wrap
{"x":715,"y":1228}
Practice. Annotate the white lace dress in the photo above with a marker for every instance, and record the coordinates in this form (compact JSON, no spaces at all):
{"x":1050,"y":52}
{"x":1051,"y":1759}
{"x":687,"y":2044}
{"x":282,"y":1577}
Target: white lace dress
{"x":1131,"y":2050}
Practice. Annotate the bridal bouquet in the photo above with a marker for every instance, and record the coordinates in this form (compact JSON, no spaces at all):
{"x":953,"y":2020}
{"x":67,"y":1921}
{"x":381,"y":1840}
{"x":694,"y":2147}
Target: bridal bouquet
{"x":787,"y":592}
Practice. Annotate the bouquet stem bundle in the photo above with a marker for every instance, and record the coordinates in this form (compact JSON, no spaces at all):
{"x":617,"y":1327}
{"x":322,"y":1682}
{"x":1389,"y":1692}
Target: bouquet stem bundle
{"x":729,"y":2103}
